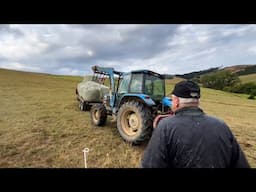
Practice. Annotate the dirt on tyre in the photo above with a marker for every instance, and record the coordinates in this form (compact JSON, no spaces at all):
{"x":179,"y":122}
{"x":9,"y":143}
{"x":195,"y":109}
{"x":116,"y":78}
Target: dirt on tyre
{"x":134,"y":122}
{"x":98,"y":114}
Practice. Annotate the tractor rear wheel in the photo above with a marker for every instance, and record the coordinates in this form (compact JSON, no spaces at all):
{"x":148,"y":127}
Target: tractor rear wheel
{"x":98,"y":115}
{"x":134,"y":122}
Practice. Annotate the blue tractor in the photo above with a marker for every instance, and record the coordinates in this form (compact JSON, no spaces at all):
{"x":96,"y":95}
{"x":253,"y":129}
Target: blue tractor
{"x":135,"y":99}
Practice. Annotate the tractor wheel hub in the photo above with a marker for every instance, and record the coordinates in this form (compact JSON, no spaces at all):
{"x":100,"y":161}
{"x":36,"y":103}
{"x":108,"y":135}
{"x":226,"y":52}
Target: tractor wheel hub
{"x":133,"y":122}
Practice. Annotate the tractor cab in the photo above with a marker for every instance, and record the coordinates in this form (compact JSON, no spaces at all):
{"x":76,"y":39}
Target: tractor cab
{"x":144,"y":84}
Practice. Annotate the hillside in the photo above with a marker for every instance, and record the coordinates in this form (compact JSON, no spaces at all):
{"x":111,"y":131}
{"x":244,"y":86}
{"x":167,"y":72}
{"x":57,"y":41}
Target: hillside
{"x":238,"y":69}
{"x":248,"y":78}
{"x":41,"y":125}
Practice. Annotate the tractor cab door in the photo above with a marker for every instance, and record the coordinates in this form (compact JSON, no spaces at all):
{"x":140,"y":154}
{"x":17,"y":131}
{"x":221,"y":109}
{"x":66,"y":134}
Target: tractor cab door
{"x":124,"y":85}
{"x":136,"y":85}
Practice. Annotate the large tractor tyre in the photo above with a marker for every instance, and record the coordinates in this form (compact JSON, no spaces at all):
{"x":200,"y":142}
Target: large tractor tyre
{"x":98,"y":115}
{"x":134,"y":122}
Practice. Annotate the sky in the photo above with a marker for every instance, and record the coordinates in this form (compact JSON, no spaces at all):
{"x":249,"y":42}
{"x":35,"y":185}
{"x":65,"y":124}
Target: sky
{"x":168,"y":49}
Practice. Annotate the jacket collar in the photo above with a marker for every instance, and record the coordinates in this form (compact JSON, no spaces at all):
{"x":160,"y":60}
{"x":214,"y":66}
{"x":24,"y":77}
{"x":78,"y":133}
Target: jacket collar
{"x":194,"y":111}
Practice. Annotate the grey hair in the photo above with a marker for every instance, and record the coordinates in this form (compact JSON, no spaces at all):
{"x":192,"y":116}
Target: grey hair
{"x":187,"y":101}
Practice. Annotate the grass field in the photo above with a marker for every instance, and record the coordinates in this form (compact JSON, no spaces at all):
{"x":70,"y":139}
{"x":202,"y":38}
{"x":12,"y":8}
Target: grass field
{"x":41,"y":125}
{"x":248,"y":78}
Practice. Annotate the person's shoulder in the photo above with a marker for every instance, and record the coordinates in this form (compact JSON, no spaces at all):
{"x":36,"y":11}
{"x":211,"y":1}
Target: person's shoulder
{"x":214,"y":119}
{"x":167,"y":121}
{"x":167,"y":124}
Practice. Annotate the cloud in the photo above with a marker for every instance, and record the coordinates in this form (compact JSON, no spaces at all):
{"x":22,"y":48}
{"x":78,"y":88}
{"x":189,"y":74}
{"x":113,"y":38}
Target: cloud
{"x":18,"y":66}
{"x":238,"y":30}
{"x":13,"y":48}
{"x":200,"y":54}
{"x":252,"y":50}
{"x":174,"y":49}
{"x":4,"y":28}
{"x":68,"y":71}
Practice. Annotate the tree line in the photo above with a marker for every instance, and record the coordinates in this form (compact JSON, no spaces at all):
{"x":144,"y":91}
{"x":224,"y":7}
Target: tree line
{"x":227,"y":81}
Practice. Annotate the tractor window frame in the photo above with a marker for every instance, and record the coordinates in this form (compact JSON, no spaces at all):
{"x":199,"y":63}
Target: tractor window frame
{"x":124,"y":84}
{"x":136,"y":83}
{"x":154,"y":79}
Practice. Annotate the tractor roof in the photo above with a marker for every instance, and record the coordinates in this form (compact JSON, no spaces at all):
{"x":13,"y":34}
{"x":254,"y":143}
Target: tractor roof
{"x":148,"y":72}
{"x":111,"y":71}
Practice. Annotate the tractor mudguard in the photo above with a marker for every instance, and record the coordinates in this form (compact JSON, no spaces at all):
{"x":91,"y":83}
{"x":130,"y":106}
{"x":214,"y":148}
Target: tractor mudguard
{"x":158,"y":118}
{"x":148,"y":101}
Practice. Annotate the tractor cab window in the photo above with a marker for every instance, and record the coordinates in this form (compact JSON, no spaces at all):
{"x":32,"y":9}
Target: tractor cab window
{"x":154,"y":86}
{"x":136,"y":83}
{"x":123,"y":88}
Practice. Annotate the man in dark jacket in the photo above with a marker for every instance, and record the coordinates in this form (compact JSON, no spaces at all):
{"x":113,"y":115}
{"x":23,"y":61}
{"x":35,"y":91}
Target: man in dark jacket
{"x":190,"y":138}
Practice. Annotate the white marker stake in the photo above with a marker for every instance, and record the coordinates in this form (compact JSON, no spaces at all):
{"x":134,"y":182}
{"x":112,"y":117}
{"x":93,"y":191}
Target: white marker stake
{"x":86,"y":150}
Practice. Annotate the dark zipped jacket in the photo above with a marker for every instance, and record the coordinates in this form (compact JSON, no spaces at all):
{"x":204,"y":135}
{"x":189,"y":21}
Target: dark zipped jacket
{"x":192,"y":139}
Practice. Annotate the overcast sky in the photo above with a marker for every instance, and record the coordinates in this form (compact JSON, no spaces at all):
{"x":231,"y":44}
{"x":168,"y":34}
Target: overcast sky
{"x":172,"y":49}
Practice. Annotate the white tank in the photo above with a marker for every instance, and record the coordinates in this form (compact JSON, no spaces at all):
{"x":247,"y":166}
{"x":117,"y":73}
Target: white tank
{"x":92,"y":91}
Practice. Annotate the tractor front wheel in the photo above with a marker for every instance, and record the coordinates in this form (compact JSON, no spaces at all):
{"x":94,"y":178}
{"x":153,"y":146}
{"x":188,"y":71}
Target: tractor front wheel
{"x":98,"y":115}
{"x":134,"y":122}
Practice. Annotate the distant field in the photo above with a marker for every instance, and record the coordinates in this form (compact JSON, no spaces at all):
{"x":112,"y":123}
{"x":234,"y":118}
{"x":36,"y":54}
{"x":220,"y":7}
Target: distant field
{"x":248,"y":78}
{"x":41,"y":125}
{"x":169,"y":84}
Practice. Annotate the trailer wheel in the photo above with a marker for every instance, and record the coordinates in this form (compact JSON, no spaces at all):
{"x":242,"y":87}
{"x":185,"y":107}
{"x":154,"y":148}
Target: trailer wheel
{"x":87,"y":106}
{"x":84,"y":106}
{"x":134,"y":122}
{"x":98,"y":115}
{"x":81,"y":105}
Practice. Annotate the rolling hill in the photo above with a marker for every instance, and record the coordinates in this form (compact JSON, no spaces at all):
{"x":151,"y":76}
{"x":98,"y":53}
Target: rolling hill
{"x":240,"y":70}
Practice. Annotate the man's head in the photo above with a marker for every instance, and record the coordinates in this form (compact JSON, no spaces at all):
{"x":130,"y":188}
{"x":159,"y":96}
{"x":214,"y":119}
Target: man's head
{"x":185,"y":94}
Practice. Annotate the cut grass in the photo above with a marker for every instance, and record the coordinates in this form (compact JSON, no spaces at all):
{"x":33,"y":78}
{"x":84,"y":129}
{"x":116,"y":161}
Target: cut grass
{"x":41,"y":125}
